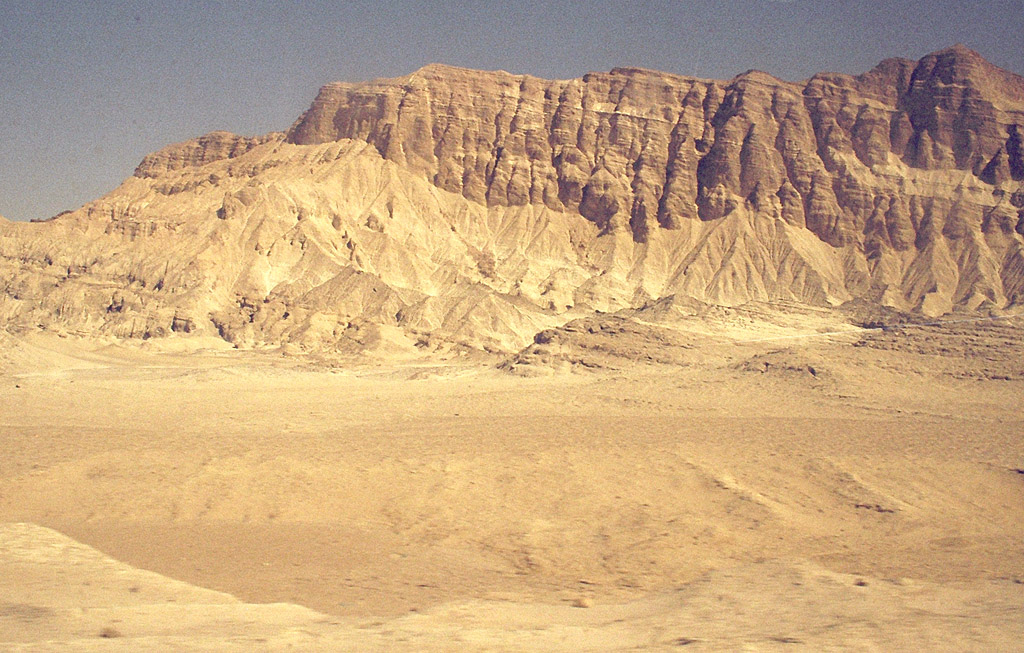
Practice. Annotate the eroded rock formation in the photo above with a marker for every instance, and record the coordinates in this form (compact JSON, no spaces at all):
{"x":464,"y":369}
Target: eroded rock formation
{"x":481,"y":207}
{"x":640,"y":149}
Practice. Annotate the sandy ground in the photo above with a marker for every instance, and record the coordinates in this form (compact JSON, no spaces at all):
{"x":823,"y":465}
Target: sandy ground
{"x":861,"y":491}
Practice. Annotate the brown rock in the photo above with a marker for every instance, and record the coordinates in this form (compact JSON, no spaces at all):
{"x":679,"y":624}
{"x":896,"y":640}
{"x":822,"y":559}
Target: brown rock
{"x":214,"y":146}
{"x":479,"y":206}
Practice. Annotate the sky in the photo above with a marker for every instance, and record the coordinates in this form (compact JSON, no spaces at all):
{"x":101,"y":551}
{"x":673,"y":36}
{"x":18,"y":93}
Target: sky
{"x":87,"y":88}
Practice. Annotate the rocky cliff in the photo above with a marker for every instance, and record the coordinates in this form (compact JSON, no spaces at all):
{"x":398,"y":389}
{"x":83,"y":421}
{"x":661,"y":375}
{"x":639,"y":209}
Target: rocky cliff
{"x":481,"y":207}
{"x":638,"y":150}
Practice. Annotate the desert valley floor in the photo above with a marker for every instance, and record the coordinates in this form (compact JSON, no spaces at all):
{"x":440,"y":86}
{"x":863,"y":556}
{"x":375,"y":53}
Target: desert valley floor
{"x":750,"y":480}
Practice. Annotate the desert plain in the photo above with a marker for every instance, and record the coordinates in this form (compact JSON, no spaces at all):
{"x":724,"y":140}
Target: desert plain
{"x":472,"y":360}
{"x":764,"y":477}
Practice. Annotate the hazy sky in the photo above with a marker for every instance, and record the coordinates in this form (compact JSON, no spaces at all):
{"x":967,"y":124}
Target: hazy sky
{"x":88,"y":88}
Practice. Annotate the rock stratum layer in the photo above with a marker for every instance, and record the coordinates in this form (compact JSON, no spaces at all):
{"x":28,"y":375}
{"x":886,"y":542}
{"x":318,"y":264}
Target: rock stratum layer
{"x":479,"y":208}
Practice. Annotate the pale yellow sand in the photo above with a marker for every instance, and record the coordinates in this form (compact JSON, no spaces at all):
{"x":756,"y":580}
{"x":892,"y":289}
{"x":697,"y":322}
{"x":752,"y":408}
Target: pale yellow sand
{"x":876,"y":503}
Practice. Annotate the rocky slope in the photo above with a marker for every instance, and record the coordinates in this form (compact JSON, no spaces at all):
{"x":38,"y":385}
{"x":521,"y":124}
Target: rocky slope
{"x":481,"y":207}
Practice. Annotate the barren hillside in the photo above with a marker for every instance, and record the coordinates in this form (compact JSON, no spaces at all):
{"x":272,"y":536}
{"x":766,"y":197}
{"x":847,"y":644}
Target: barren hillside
{"x":478,"y":208}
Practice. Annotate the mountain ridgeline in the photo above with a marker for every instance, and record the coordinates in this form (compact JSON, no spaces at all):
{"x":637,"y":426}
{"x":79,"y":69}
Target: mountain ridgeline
{"x":479,"y":208}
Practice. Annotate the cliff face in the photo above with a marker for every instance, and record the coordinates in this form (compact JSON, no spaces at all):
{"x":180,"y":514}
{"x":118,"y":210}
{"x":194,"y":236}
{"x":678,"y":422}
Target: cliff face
{"x":214,"y":146}
{"x":482,"y":207}
{"x":638,"y":150}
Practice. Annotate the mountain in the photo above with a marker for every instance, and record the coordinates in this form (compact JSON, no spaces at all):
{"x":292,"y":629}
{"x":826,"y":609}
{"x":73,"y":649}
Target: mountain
{"x":459,"y":206}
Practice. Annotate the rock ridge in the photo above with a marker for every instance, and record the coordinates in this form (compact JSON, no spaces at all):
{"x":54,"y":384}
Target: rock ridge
{"x":479,"y":208}
{"x":196,"y":152}
{"x":641,"y":149}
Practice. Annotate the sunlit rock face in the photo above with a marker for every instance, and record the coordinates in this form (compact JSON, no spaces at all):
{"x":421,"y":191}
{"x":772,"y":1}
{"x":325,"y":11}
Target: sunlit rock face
{"x":459,"y":206}
{"x":638,"y":149}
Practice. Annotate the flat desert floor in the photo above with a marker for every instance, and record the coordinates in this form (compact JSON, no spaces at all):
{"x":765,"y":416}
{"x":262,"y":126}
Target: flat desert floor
{"x":739,"y":483}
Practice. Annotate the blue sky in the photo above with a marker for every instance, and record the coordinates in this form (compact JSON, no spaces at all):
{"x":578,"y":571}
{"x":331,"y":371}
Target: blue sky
{"x":88,"y":88}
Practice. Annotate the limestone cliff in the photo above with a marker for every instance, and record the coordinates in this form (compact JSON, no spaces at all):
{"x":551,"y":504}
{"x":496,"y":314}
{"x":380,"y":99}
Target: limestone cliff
{"x":480,"y":207}
{"x":639,"y":149}
{"x":197,"y":152}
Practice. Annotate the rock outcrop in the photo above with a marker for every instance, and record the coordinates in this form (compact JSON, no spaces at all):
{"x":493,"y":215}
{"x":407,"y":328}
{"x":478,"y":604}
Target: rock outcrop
{"x":639,"y":149}
{"x":481,"y":207}
{"x":214,"y":146}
